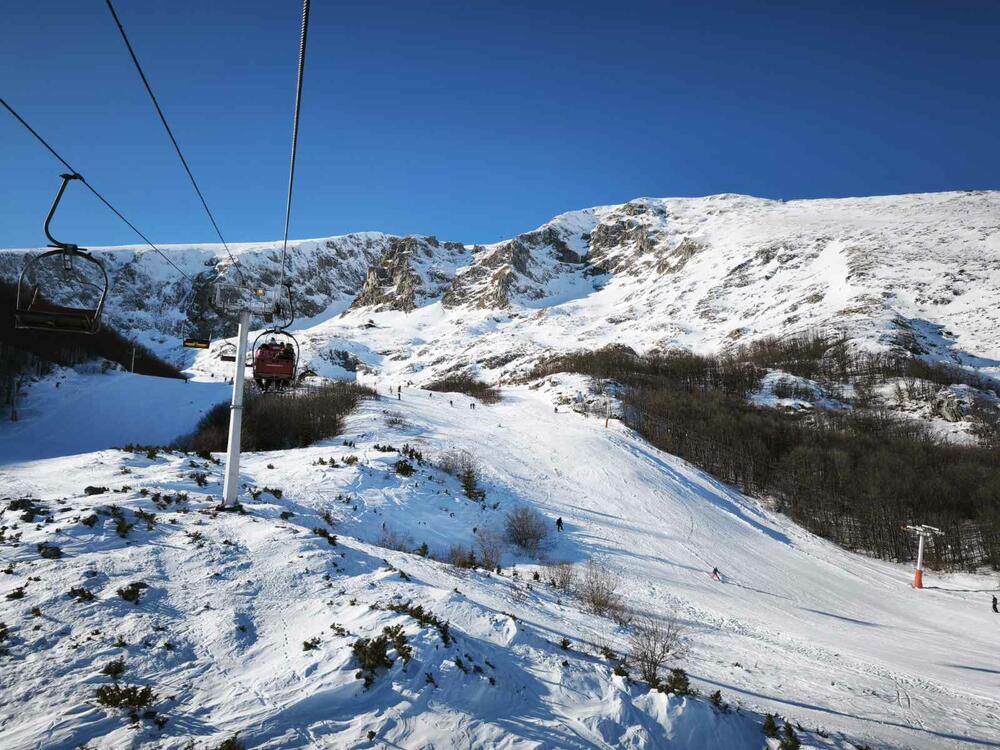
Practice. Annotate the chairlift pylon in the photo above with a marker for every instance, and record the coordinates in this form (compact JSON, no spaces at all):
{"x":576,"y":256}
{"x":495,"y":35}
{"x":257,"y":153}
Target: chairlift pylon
{"x":35,"y":309}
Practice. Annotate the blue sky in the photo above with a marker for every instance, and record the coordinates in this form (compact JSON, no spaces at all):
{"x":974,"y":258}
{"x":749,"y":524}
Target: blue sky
{"x":475,"y":121}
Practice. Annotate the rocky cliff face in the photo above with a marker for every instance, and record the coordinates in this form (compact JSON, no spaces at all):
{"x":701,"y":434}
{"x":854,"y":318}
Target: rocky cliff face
{"x":411,"y":272}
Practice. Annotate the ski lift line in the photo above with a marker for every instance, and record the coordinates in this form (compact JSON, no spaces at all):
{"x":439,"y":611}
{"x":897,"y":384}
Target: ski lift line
{"x":90,"y":187}
{"x":173,"y":140}
{"x":295,"y":132}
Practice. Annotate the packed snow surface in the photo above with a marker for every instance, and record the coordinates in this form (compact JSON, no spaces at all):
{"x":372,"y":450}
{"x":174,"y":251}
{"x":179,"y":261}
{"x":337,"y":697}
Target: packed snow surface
{"x":797,"y":626}
{"x":79,"y":412}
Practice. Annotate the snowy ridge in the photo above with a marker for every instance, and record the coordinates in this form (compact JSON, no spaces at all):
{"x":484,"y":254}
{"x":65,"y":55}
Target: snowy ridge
{"x":911,"y":271}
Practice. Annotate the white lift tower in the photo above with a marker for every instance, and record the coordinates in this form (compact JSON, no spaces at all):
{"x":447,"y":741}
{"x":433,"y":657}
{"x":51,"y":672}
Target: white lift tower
{"x":244,"y":301}
{"x":923,"y":533}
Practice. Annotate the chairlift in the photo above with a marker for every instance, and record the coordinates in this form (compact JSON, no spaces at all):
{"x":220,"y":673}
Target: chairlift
{"x":196,"y":343}
{"x":36,"y":308}
{"x":275,"y":360}
{"x":227,"y":352}
{"x":273,"y":305}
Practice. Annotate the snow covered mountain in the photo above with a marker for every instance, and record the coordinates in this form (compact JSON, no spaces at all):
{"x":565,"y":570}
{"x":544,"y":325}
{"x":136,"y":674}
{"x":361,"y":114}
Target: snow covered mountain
{"x":912,"y":271}
{"x":118,"y":568}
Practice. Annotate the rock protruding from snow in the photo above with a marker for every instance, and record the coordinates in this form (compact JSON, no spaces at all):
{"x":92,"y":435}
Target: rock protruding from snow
{"x":411,"y":272}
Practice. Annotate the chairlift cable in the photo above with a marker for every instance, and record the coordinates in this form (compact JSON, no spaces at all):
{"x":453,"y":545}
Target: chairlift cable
{"x":173,"y":140}
{"x":90,"y":187}
{"x":295,"y":132}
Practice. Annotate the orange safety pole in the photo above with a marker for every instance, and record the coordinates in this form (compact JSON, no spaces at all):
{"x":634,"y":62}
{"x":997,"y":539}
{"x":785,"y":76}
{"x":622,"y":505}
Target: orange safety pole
{"x":918,"y":575}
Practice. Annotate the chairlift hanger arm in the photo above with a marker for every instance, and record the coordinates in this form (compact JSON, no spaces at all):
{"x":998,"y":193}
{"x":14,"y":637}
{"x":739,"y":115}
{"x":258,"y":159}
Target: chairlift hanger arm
{"x":52,"y":212}
{"x":33,"y":311}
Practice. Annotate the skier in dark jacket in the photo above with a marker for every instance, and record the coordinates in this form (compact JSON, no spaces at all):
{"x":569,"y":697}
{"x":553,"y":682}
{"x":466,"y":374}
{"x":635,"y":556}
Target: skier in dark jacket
{"x":717,"y":575}
{"x":995,"y":605}
{"x":559,"y":527}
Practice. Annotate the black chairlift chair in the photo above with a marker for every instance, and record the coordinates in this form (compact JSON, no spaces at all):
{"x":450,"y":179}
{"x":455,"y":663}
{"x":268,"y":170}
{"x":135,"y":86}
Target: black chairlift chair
{"x":34,"y":308}
{"x":227,"y":353}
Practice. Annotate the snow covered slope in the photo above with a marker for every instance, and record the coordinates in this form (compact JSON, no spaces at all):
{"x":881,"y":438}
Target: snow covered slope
{"x":73,"y":412}
{"x":826,"y":638}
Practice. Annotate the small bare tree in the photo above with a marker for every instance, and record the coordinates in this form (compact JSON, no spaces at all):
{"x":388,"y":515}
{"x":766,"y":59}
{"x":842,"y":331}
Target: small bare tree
{"x":392,"y":539}
{"x":526,"y":528}
{"x":599,"y":587}
{"x":489,"y":546}
{"x":462,"y":557}
{"x":621,"y":614}
{"x":463,"y":466}
{"x":653,"y":643}
{"x":563,"y":576}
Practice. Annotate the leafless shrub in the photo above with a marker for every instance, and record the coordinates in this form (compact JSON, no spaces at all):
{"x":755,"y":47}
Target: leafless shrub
{"x":467,"y":384}
{"x":652,"y":644}
{"x":563,"y":576}
{"x":270,"y":423}
{"x":604,"y":646}
{"x":462,"y":557}
{"x":622,"y":614}
{"x":794,"y":389}
{"x":526,"y":528}
{"x":489,"y":547}
{"x":465,"y":467}
{"x":395,"y":419}
{"x":392,"y":539}
{"x":518,"y":593}
{"x":599,"y":588}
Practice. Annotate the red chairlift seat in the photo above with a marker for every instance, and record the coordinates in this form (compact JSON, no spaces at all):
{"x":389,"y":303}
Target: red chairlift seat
{"x":50,"y":317}
{"x":36,"y":312}
{"x":274,"y":362}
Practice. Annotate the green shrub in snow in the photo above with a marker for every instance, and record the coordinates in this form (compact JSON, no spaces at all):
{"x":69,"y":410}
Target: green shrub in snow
{"x":770,"y":726}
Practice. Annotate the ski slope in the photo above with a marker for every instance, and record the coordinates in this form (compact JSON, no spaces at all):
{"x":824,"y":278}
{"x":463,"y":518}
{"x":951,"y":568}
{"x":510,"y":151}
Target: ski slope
{"x":831,"y":640}
{"x":79,"y":412}
{"x":836,"y":639}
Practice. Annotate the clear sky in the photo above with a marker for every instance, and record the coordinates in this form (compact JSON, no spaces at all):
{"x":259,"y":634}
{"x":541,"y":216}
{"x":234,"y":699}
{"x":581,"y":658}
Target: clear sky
{"x":475,"y":120}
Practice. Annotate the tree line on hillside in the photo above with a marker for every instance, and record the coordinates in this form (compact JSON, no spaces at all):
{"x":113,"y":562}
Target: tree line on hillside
{"x":854,"y":476}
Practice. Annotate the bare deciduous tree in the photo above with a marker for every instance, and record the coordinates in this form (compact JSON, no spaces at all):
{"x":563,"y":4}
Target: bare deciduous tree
{"x":392,"y":539}
{"x":526,"y":528}
{"x":599,"y":587}
{"x":489,"y":546}
{"x":563,"y":576}
{"x":652,"y":644}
